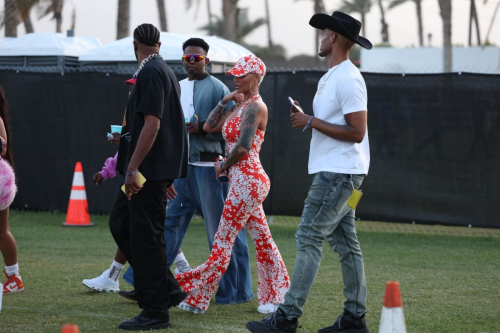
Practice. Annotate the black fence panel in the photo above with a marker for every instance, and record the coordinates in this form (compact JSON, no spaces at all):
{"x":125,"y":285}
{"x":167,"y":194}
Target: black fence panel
{"x":435,"y":147}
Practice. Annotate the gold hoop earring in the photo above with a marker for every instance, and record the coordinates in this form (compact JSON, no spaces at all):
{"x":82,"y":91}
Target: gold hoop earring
{"x":253,"y":93}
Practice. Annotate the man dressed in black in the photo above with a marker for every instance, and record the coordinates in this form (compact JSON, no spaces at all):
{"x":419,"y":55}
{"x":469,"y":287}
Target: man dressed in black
{"x":153,"y":143}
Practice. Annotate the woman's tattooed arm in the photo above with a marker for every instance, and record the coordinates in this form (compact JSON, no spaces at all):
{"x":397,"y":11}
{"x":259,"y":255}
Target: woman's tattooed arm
{"x":216,"y":119}
{"x":248,"y":127}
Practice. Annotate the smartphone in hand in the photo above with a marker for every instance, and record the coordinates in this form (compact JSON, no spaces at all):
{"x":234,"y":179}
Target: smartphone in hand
{"x":298,"y":108}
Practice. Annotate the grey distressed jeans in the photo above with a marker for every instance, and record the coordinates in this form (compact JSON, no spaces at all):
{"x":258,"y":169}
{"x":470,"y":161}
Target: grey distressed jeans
{"x":326,"y":215}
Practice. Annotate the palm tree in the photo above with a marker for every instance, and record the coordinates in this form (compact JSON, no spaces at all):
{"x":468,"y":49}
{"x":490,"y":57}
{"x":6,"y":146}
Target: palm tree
{"x":244,"y":28}
{"x":473,"y":17}
{"x":319,"y":7}
{"x":189,"y":4}
{"x":445,"y":11}
{"x":10,"y":18}
{"x":162,"y":9}
{"x":385,"y":26}
{"x":123,"y":19}
{"x":268,"y":23}
{"x":230,"y":19}
{"x":418,"y":6}
{"x":24,"y":8}
{"x":209,"y":11}
{"x":55,"y":7}
{"x":357,"y":6}
{"x":23,"y":13}
{"x":486,"y":41}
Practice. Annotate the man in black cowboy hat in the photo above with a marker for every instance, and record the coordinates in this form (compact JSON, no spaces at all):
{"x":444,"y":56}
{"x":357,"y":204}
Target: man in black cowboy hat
{"x":339,"y":159}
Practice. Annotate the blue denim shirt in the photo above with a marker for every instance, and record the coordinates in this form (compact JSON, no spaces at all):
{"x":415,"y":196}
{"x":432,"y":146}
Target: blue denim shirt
{"x":207,"y":93}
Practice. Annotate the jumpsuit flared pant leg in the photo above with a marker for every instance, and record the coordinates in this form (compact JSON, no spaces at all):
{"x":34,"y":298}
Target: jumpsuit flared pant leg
{"x":243,"y":208}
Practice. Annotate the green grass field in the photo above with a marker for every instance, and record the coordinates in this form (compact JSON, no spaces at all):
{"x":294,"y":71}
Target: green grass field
{"x":448,"y":283}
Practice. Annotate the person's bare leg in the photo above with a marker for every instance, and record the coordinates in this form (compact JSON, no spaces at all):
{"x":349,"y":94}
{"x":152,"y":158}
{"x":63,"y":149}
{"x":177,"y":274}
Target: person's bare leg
{"x":120,"y":257}
{"x":8,"y":245}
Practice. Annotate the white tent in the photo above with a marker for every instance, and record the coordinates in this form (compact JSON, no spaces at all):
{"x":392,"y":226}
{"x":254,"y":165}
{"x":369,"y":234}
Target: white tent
{"x":5,"y":39}
{"x":221,"y":50}
{"x":48,"y":44}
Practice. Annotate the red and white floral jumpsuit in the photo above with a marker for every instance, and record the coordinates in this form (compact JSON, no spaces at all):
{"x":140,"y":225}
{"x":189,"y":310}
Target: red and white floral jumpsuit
{"x":249,"y":186}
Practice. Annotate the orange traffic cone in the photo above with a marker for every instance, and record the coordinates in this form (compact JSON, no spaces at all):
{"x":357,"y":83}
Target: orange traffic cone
{"x":78,"y":209}
{"x":393,"y":319}
{"x":70,"y":328}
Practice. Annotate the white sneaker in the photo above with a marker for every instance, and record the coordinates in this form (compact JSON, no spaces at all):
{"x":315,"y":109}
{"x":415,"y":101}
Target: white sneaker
{"x":182,"y":267}
{"x":267,"y":308}
{"x":102,"y":283}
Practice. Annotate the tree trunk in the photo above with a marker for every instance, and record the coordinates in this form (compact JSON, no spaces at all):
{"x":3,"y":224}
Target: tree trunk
{"x":25,"y":13}
{"x":28,"y":25}
{"x":268,"y":22}
{"x":477,"y":23}
{"x":418,"y":4}
{"x":162,"y":9}
{"x":385,"y":27}
{"x":491,"y":25}
{"x":123,"y":19}
{"x":209,"y":10}
{"x":10,"y":13}
{"x":58,"y":7}
{"x":230,"y":17}
{"x":363,"y":24}
{"x":445,"y":11}
{"x":319,"y":7}
{"x":471,"y":18}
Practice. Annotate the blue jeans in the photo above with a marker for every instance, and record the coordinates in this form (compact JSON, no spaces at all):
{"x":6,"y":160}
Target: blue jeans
{"x":326,"y":215}
{"x":202,"y":192}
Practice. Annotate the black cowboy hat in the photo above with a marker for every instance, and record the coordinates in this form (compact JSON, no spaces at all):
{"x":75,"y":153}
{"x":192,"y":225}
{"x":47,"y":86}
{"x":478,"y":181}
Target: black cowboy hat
{"x":343,"y":24}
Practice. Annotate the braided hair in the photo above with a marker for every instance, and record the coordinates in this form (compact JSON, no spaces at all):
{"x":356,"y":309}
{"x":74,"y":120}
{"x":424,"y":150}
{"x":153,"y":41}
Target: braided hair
{"x":147,"y":34}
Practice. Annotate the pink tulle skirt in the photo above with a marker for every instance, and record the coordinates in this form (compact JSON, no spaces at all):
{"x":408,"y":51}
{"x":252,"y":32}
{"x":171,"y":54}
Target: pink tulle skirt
{"x":8,"y":187}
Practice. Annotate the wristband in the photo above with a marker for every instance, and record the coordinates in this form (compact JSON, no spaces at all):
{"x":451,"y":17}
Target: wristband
{"x":308,"y":123}
{"x":222,"y":105}
{"x":132,"y":173}
{"x":127,"y":176}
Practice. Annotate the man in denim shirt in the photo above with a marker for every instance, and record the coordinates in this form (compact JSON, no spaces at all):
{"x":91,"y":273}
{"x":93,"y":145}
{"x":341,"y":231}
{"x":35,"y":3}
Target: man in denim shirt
{"x":201,"y":191}
{"x":339,"y":159}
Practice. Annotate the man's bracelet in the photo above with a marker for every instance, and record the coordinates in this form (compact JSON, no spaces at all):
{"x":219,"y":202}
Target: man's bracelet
{"x":129,"y":174}
{"x":308,"y":123}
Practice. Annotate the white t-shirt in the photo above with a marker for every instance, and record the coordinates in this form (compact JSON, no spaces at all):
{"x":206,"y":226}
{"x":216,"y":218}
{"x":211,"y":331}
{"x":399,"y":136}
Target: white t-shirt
{"x":342,"y":90}
{"x":187,"y":98}
{"x":187,"y":102}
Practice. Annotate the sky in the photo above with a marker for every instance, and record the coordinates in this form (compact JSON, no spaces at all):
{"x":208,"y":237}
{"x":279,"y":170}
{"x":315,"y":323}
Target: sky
{"x":289,"y":21}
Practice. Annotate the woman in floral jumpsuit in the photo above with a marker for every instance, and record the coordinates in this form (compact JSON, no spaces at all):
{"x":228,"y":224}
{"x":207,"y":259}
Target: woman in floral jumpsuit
{"x":243,"y":128}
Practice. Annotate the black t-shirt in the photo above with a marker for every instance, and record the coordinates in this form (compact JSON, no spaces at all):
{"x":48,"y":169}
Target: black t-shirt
{"x":156,"y":93}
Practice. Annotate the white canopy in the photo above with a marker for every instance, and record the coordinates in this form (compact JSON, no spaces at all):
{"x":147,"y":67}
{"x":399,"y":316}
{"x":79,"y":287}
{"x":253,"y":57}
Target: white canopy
{"x":221,"y":50}
{"x":48,"y":44}
{"x":5,"y":39}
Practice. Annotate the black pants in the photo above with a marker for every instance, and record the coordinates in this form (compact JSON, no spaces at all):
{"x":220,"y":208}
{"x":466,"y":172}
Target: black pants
{"x":137,"y":227}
